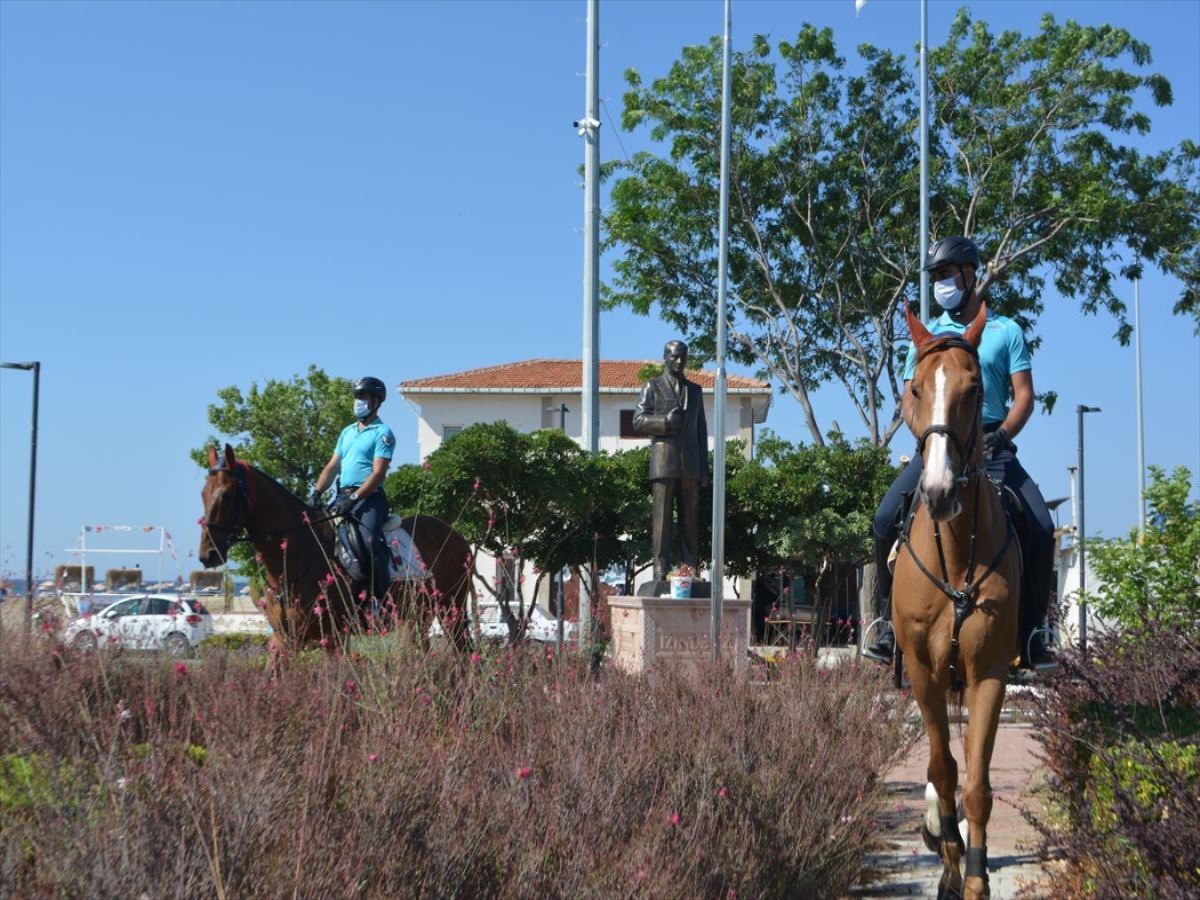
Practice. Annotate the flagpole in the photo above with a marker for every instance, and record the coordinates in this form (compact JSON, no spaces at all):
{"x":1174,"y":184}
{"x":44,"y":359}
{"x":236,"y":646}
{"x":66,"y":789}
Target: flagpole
{"x":718,"y":482}
{"x":1141,"y":425}
{"x":589,"y":130}
{"x":924,"y":158}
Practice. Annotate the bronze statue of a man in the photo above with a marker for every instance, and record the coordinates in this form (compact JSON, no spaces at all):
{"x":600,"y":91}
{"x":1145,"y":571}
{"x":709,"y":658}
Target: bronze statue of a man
{"x":671,"y":411}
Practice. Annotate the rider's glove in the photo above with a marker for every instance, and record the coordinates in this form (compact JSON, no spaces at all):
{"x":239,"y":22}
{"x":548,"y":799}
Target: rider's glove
{"x":995,"y":442}
{"x":314,"y":499}
{"x":342,"y":503}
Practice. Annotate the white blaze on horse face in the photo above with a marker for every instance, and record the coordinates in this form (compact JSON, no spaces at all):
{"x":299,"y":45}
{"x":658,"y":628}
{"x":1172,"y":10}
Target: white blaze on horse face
{"x":938,"y":475}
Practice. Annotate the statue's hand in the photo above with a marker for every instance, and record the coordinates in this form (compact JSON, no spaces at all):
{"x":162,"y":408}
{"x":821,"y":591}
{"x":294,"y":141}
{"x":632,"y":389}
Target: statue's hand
{"x":675,"y":418}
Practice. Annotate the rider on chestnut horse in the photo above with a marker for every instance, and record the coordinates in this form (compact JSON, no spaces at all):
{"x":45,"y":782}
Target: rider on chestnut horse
{"x":360,"y":463}
{"x":1004,"y":358}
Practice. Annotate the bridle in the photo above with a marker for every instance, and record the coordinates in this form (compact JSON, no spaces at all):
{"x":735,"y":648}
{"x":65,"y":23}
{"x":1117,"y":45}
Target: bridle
{"x":244,"y":505}
{"x":964,"y":599}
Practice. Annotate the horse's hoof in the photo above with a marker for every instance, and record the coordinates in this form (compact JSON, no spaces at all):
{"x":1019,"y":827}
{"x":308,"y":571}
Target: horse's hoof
{"x":932,"y":844}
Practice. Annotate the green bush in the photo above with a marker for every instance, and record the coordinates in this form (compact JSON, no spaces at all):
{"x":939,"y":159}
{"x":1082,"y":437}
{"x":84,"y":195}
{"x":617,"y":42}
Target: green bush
{"x":236,"y":641}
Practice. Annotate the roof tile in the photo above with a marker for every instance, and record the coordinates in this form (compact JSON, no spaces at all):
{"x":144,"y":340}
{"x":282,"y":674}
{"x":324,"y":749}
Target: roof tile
{"x":557,"y":374}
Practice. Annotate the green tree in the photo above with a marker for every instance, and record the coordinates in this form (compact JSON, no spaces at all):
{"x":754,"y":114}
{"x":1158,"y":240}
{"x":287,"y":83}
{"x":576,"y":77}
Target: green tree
{"x":521,"y":497}
{"x":286,"y":428}
{"x":1028,"y":155}
{"x":1155,"y":576}
{"x":806,"y":507}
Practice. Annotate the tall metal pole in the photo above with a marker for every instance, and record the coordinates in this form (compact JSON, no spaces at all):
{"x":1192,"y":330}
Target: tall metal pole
{"x":1141,"y":425}
{"x":1081,"y":600}
{"x":589,"y":129}
{"x":36,"y":368}
{"x":718,"y":520}
{"x":924,"y":158}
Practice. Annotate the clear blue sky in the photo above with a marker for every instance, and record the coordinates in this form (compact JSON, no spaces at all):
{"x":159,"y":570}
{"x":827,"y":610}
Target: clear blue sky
{"x":194,"y":195}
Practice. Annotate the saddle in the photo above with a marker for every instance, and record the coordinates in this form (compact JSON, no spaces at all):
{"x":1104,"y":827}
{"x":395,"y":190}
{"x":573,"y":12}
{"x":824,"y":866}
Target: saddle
{"x":353,"y":548}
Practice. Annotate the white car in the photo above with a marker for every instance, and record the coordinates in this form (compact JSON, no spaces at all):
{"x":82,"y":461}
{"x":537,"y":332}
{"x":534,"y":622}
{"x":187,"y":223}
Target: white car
{"x":144,"y":622}
{"x":541,"y":626}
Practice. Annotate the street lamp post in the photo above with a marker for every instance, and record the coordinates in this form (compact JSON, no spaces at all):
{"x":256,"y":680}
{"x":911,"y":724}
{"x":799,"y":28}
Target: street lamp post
{"x":1082,"y":599}
{"x":36,"y":368}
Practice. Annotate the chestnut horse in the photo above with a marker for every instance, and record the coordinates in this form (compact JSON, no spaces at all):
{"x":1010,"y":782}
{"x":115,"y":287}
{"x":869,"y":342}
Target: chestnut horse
{"x":955,"y":594}
{"x":309,"y":597}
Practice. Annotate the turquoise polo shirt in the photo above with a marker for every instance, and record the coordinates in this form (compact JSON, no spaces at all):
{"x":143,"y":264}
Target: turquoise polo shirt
{"x":358,"y":451}
{"x":1002,"y":353}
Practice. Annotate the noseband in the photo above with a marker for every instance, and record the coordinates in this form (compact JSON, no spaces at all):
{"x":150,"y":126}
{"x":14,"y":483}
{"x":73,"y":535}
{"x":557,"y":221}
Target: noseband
{"x":964,"y":452}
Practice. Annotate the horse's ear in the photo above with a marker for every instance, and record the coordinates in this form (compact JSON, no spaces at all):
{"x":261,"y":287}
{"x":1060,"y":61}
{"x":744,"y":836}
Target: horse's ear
{"x":230,"y":462}
{"x":212,"y":456}
{"x":920,"y":334}
{"x":975,"y":330}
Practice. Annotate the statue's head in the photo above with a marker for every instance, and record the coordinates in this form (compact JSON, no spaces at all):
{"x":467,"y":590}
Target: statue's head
{"x":675,"y":356}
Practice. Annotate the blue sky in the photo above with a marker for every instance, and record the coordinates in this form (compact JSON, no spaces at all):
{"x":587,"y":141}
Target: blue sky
{"x":194,"y":195}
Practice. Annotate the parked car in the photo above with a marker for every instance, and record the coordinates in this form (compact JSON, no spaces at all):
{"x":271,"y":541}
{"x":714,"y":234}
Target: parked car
{"x":541,"y":627}
{"x":144,"y":622}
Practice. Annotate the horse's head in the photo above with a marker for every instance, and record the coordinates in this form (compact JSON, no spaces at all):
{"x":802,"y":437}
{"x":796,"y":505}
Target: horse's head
{"x":226,"y":499}
{"x":947,"y":395}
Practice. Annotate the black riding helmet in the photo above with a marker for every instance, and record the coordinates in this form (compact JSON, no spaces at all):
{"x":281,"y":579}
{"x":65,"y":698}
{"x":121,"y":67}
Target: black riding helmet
{"x":368,"y":386}
{"x":955,"y":251}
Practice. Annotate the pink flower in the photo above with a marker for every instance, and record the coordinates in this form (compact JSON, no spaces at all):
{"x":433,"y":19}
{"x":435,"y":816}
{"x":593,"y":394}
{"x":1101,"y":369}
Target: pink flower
{"x":318,"y":610}
{"x":258,"y":558}
{"x":476,"y":658}
{"x":475,"y":486}
{"x":324,"y":643}
{"x":524,"y":772}
{"x":351,"y":686}
{"x":676,"y":818}
{"x":283,"y":544}
{"x":723,"y":792}
{"x":371,"y":757}
{"x":181,"y":669}
{"x":329,"y":578}
{"x":202,"y":522}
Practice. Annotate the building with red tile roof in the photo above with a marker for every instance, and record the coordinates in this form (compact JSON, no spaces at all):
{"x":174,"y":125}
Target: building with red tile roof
{"x":547,"y":393}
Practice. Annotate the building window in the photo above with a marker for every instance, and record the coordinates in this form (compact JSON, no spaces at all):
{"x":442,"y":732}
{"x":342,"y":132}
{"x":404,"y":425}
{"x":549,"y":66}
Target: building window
{"x":627,"y":431}
{"x":449,"y":431}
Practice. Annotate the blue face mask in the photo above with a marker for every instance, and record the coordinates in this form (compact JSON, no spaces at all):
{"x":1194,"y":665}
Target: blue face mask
{"x":361,"y":409}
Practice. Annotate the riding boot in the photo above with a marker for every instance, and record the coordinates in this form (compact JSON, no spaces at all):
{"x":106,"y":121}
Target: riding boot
{"x":883,"y":648}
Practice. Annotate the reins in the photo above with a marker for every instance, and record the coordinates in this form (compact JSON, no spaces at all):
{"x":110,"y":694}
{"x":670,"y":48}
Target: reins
{"x":964,"y":599}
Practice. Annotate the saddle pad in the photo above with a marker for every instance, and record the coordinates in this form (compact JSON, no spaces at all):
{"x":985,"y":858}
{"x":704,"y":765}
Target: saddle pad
{"x":406,"y":562}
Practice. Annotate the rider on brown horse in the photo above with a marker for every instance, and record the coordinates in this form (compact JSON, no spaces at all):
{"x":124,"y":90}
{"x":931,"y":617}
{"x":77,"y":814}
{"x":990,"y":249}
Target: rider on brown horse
{"x":1004,"y":358}
{"x":360,"y":463}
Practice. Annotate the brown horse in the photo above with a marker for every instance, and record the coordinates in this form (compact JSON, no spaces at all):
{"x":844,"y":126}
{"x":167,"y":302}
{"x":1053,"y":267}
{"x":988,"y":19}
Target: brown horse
{"x":309,"y":597}
{"x":955,"y":595}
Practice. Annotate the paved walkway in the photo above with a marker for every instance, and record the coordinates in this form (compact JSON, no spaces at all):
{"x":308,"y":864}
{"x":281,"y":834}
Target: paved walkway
{"x":906,"y":868}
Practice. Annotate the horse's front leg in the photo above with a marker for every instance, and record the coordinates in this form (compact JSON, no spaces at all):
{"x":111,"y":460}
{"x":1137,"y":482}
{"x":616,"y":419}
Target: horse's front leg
{"x":940,"y":829}
{"x":984,"y":701}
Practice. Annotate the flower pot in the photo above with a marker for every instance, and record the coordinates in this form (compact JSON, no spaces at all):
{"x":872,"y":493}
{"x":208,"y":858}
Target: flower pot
{"x":681,"y":587}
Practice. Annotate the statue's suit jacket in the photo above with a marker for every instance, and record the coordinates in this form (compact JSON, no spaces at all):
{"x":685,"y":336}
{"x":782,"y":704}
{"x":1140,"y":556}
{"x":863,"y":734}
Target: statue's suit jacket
{"x":682,"y":454}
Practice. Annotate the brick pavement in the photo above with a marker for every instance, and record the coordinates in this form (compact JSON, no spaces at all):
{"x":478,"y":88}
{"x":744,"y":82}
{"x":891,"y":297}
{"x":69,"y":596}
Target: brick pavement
{"x":905,"y":868}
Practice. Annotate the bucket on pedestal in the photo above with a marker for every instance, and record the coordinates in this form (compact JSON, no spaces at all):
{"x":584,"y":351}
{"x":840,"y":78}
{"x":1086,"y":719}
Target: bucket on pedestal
{"x":681,"y":587}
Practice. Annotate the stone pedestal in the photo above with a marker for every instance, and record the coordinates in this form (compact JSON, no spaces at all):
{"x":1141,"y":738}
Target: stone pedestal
{"x":650,"y":632}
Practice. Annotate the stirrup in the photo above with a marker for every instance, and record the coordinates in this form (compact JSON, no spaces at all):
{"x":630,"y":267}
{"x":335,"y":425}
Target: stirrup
{"x":1049,"y":641}
{"x":883,"y":629}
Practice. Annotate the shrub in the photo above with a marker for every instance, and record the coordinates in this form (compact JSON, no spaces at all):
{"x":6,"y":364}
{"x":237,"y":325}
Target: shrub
{"x":426,"y":775}
{"x":236,"y":641}
{"x":1121,"y":733}
{"x":1155,"y":575}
